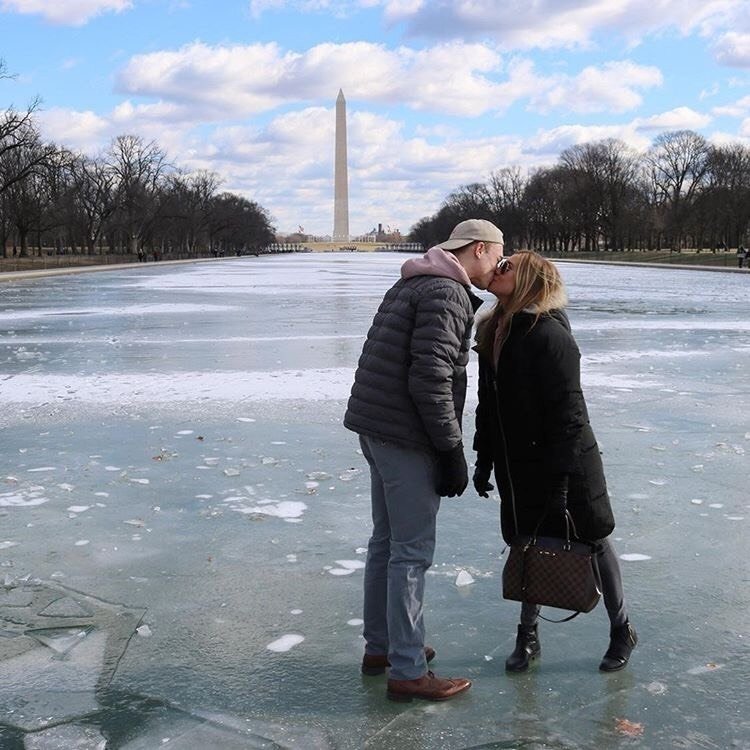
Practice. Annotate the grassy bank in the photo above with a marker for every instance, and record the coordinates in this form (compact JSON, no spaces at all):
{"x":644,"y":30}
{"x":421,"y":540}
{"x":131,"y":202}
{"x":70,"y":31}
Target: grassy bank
{"x":47,"y":262}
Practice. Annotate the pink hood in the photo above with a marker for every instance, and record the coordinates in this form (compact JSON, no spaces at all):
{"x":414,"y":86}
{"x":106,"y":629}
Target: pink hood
{"x":436,"y":262}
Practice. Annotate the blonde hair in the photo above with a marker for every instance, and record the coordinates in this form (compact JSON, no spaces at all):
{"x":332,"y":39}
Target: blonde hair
{"x":539,"y":286}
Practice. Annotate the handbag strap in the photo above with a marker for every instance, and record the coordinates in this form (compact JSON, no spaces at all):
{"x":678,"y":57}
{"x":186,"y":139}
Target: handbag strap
{"x":569,"y":523}
{"x":565,"y":619}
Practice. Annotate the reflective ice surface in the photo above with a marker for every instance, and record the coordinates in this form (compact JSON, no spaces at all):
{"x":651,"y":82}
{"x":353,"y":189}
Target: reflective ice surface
{"x":178,"y":495}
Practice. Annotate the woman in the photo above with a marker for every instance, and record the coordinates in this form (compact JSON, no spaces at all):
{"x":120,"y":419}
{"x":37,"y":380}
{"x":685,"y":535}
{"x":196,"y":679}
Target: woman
{"x":533,"y":430}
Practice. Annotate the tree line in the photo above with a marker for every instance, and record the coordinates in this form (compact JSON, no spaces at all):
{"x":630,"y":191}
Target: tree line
{"x":129,"y":200}
{"x":682,"y":192}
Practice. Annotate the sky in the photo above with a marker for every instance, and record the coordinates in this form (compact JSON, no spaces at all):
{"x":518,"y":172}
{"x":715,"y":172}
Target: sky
{"x":440,"y":93}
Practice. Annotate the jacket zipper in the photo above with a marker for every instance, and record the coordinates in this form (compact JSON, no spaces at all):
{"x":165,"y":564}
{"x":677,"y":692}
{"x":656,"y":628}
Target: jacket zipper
{"x":502,"y":434}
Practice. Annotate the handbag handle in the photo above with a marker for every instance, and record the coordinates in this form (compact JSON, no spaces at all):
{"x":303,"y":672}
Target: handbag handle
{"x":569,"y":523}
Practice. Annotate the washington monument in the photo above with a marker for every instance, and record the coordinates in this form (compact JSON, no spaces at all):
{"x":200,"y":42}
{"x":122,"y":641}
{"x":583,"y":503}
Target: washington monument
{"x":340,"y":177}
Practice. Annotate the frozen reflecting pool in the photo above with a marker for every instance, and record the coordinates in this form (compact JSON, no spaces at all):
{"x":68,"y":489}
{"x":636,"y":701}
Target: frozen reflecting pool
{"x":183,"y":519}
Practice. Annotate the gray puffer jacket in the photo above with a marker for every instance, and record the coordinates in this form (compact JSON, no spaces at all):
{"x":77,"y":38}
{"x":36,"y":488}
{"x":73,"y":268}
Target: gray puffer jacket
{"x":410,"y":384}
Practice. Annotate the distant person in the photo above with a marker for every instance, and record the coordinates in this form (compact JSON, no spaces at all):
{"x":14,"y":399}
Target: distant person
{"x":406,"y":405}
{"x":532,"y":429}
{"x":747,"y":257}
{"x":741,"y":256}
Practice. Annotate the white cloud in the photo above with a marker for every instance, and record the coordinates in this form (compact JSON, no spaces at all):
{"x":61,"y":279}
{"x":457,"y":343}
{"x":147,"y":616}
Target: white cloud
{"x":223,"y":81}
{"x":547,"y":144}
{"x":740,"y":108}
{"x":551,"y":23}
{"x":610,"y":87}
{"x":214,"y":83}
{"x":161,"y":113}
{"x":733,"y":48}
{"x":721,"y":138}
{"x":65,"y":12}
{"x":84,"y":131}
{"x":680,"y":118}
{"x":709,"y":92}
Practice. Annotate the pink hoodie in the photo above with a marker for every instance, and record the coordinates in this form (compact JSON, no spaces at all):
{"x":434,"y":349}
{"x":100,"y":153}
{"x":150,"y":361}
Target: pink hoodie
{"x":436,"y":262}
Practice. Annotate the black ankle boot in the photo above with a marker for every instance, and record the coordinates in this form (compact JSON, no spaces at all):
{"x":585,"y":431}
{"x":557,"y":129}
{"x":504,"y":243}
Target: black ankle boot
{"x":527,"y":648}
{"x":622,"y":641}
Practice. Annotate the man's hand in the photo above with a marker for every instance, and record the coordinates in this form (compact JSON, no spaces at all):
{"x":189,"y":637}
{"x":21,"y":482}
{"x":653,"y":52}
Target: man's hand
{"x":482,"y":474}
{"x":453,"y":474}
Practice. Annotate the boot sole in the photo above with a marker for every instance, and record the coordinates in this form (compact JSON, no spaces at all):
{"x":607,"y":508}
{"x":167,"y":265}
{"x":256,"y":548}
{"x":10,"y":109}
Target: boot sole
{"x":400,"y":698}
{"x":526,"y":666}
{"x":618,"y":668}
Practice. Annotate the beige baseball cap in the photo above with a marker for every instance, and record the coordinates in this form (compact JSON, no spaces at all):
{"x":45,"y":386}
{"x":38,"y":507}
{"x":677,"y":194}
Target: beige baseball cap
{"x":472,"y":230}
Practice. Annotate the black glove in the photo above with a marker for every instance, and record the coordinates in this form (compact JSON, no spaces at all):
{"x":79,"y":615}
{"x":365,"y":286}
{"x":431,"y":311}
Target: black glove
{"x":453,"y":474}
{"x":558,"y":494}
{"x":482,"y":474}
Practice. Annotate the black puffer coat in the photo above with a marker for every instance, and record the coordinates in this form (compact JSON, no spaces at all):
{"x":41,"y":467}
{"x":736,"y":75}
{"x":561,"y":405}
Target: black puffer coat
{"x":532,"y":424}
{"x":410,"y":384}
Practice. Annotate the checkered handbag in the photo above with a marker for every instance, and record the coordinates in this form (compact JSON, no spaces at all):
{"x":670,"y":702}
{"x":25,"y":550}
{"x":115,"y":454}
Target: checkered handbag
{"x":552,"y":572}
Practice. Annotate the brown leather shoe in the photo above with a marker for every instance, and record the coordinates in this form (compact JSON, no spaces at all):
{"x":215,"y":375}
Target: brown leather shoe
{"x":373,"y":664}
{"x":428,"y":687}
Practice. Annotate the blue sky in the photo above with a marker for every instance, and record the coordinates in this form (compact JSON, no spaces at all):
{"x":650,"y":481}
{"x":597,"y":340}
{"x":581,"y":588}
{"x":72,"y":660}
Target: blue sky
{"x":439,"y":92}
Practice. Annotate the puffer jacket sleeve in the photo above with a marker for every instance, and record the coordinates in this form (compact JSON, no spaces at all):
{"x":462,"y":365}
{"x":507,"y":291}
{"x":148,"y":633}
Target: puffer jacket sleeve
{"x":557,"y":385}
{"x":484,"y":431}
{"x":442,"y":323}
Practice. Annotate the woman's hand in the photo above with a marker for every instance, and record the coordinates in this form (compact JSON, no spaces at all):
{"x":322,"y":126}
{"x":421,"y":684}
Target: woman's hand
{"x":481,"y":478}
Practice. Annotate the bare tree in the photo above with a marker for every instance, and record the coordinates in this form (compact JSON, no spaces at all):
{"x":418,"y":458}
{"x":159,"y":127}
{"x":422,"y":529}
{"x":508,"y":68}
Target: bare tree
{"x":91,"y":198}
{"x":722,"y":207}
{"x":238,"y":224}
{"x":505,"y":191}
{"x":26,"y":175}
{"x":677,"y":164}
{"x":21,"y":148}
{"x":138,"y":170}
{"x":551,"y":210}
{"x":187,"y":208}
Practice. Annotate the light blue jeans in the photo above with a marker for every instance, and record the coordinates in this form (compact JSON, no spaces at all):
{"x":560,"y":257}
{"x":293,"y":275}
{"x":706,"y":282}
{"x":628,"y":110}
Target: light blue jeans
{"x":404,"y":512}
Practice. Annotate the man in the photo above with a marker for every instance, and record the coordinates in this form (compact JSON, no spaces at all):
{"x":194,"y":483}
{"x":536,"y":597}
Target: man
{"x":406,"y":405}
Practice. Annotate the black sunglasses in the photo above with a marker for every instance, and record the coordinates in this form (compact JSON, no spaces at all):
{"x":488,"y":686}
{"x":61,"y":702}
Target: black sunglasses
{"x":504,"y":265}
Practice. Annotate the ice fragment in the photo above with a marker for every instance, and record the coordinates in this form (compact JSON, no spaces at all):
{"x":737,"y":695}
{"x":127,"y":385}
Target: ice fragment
{"x":285,"y":643}
{"x":350,"y":564}
{"x":464,"y":578}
